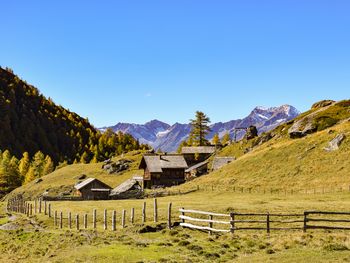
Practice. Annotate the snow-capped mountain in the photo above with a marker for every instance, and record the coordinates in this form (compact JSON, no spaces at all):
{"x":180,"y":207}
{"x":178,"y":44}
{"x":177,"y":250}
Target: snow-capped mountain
{"x":162,"y":136}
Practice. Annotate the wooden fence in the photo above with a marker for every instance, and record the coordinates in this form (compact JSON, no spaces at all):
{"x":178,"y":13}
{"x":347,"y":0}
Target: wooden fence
{"x":274,"y":191}
{"x":201,"y":220}
{"x":230,"y":223}
{"x":85,"y":220}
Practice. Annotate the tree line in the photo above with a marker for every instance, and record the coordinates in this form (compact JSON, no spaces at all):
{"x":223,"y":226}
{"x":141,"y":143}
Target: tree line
{"x":33,"y":127}
{"x":15,"y":172}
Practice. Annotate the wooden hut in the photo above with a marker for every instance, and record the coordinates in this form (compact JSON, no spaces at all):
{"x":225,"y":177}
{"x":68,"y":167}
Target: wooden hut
{"x":163,"y":170}
{"x":92,"y":189}
{"x":197,"y":154}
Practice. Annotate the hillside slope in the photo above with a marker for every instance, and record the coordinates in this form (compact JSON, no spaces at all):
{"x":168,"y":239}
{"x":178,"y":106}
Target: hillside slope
{"x":64,"y":179}
{"x":285,"y":163}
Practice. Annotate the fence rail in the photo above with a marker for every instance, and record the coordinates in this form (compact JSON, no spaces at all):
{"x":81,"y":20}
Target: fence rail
{"x":262,"y":221}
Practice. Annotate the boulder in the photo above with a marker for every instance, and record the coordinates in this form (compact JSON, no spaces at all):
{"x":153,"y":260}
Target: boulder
{"x":251,"y":133}
{"x":80,"y":177}
{"x":321,"y":104}
{"x":335,"y":143}
{"x":301,"y":128}
{"x":39,"y":180}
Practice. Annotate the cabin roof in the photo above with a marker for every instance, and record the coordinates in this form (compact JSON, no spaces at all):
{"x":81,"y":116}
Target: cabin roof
{"x":126,"y":186}
{"x":196,"y":166}
{"x":156,"y":163}
{"x":89,"y":181}
{"x":221,"y":161}
{"x":198,"y":149}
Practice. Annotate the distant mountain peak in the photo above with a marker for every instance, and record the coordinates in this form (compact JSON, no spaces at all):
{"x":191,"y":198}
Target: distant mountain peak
{"x":161,"y":135}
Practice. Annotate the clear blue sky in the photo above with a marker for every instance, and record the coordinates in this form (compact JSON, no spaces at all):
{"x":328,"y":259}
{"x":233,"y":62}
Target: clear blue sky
{"x":135,"y":61}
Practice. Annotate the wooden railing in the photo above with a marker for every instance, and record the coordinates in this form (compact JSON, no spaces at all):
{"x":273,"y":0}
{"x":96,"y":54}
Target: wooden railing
{"x":261,"y":221}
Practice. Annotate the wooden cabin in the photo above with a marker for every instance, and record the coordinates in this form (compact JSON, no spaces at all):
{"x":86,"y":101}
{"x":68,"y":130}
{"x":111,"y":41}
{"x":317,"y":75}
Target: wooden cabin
{"x":197,"y":154}
{"x":163,"y":170}
{"x":130,"y":189}
{"x":92,"y":189}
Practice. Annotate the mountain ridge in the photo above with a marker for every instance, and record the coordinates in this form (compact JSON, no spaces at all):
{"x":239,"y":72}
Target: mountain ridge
{"x":161,"y":135}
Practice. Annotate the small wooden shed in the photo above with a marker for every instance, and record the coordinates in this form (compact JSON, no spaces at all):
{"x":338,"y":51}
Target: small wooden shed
{"x":92,"y":189}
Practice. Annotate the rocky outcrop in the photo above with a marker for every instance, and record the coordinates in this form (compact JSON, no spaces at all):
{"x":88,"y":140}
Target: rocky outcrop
{"x":251,"y":133}
{"x":335,"y":143}
{"x":302,"y":128}
{"x":117,"y":167}
{"x":322,"y":104}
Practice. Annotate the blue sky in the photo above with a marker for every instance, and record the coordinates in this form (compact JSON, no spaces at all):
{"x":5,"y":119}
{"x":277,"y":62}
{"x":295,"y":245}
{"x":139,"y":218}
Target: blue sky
{"x":134,"y":61}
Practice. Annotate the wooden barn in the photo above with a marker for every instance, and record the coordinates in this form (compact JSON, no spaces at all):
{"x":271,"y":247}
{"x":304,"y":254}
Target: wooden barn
{"x":163,"y":170}
{"x":92,"y":189}
{"x":130,"y":189}
{"x":197,"y":154}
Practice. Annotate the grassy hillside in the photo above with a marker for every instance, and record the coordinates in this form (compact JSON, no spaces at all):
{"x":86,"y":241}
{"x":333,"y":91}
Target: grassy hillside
{"x":65,"y":178}
{"x":283,"y":162}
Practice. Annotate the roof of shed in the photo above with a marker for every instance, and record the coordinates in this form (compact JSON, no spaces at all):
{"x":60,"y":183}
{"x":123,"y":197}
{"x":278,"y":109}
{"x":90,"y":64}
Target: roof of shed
{"x":196,"y":166}
{"x":198,"y":149}
{"x":89,"y":181}
{"x":84,"y":183}
{"x":156,"y":163}
{"x":126,"y":186}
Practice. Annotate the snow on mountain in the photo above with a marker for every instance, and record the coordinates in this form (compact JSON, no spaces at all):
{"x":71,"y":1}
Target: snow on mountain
{"x":162,"y":136}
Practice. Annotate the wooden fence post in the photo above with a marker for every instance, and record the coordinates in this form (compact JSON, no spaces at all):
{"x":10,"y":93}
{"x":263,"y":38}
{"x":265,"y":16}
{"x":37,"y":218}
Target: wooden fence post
{"x":69,"y":220}
{"x":183,"y":214}
{"x":114,"y":219}
{"x":45,"y":208}
{"x":55,"y":218}
{"x":144,"y":213}
{"x":94,"y":218}
{"x":155,"y":210}
{"x":77,"y":221}
{"x":61,"y":220}
{"x":232,"y":222}
{"x":31,"y":209}
{"x":268,"y":223}
{"x":40,"y":203}
{"x":85,"y":221}
{"x":123,"y":218}
{"x":305,"y":221}
{"x":35,"y":206}
{"x":169,"y":215}
{"x":210,"y":224}
{"x":49,"y":210}
{"x":105,"y":219}
{"x":132,"y":216}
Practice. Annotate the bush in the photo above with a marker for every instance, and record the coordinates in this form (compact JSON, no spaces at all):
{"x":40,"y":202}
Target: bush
{"x":335,"y":247}
{"x":184,"y":243}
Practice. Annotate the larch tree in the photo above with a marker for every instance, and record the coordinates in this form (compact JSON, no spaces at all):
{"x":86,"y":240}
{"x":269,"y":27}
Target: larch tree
{"x":24,"y":164}
{"x":200,"y":128}
{"x":216,"y":139}
{"x":226,"y":139}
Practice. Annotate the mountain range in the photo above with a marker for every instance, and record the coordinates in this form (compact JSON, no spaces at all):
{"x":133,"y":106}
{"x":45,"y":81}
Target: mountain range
{"x":165,"y":137}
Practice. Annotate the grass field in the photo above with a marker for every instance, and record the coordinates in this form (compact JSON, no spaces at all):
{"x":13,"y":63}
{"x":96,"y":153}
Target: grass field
{"x":181,"y":245}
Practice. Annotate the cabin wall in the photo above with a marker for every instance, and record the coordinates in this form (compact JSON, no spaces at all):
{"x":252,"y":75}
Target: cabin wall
{"x":169,"y":177}
{"x":87,"y":194}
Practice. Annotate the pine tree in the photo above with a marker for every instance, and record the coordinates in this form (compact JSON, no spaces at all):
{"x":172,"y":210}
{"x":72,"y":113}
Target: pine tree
{"x":200,"y":129}
{"x":85,"y":158}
